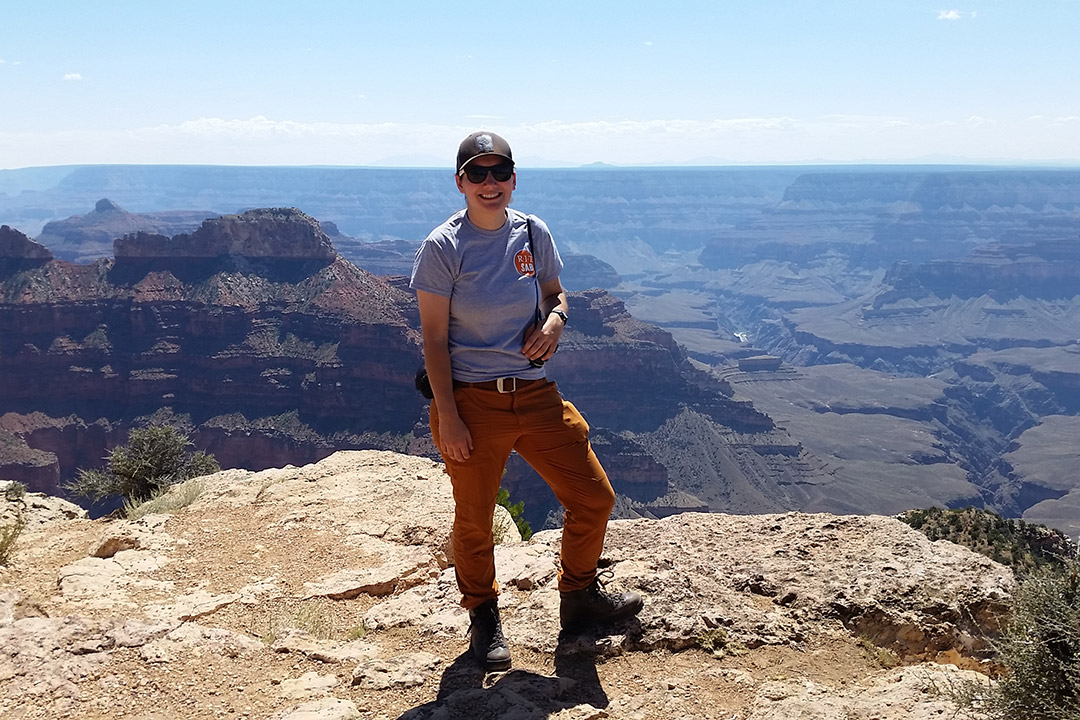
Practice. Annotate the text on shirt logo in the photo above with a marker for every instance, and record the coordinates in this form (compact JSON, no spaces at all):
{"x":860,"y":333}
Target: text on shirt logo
{"x":523,"y":261}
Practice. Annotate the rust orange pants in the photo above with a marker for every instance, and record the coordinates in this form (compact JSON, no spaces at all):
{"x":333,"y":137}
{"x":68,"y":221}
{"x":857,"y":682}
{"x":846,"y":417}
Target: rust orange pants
{"x":550,"y":434}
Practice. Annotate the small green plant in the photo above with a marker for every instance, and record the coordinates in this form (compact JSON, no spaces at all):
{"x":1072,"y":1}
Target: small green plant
{"x":14,"y":491}
{"x":314,"y":619}
{"x":268,"y":636}
{"x":8,"y":535}
{"x":882,"y":657}
{"x":717,"y":642}
{"x":713,"y":641}
{"x":154,"y":458}
{"x":516,"y":509}
{"x":166,"y":501}
{"x":357,"y":632}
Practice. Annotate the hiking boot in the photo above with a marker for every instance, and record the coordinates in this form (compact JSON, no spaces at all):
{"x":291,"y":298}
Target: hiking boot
{"x":487,"y":643}
{"x":595,"y":605}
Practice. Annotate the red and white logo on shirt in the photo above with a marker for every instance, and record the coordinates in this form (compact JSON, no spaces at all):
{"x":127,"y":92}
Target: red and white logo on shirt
{"x":523,"y":261}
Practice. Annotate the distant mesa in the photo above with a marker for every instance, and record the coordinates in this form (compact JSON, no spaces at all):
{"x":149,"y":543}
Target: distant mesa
{"x":760,"y":363}
{"x":105,"y":205}
{"x":331,"y":229}
{"x":583,"y":272}
{"x":282,"y":233}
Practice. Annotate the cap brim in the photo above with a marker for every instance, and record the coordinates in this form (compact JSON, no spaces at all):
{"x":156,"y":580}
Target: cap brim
{"x":484,"y":155}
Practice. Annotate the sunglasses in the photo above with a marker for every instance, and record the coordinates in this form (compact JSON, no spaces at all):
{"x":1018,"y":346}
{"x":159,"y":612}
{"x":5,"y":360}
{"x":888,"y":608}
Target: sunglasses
{"x":478,"y":173}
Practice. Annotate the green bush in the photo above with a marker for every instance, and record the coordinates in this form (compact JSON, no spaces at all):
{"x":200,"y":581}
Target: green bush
{"x":516,"y":509}
{"x":154,"y":458}
{"x":1020,"y":546}
{"x":8,"y":535}
{"x":14,"y":491}
{"x":1039,"y":648}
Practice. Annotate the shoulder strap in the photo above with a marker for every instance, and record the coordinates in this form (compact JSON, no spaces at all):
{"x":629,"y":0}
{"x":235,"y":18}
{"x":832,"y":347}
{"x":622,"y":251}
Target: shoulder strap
{"x":536,"y":274}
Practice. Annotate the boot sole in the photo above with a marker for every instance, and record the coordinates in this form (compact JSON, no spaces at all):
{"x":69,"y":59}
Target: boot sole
{"x":496,"y":665}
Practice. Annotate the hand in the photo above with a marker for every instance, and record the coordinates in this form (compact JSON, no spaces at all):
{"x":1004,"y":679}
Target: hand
{"x":542,"y":340}
{"x":455,"y":440}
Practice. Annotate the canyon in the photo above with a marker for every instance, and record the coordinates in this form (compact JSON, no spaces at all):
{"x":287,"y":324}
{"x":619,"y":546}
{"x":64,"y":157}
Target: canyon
{"x":917,"y":327}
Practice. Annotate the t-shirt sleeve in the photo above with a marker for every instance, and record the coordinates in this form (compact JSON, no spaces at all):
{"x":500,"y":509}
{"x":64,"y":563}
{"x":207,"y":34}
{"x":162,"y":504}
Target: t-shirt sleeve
{"x":431,"y":269}
{"x":548,"y":263}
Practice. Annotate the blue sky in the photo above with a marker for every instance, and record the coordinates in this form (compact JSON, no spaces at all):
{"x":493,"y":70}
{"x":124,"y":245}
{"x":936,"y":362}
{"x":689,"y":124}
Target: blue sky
{"x":400,"y":82}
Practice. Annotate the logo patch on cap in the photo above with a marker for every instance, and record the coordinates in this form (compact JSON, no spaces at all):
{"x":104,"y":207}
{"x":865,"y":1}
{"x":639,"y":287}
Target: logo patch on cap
{"x":484,"y":143}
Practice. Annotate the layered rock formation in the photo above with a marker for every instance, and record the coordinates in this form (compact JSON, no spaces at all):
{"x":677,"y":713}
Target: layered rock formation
{"x":281,"y":233}
{"x":878,"y":216}
{"x":325,"y":591}
{"x":265,"y":322}
{"x":270,"y":349}
{"x":19,"y":253}
{"x":924,"y":317}
{"x":998,"y":327}
{"x":960,"y":285}
{"x":669,"y":434}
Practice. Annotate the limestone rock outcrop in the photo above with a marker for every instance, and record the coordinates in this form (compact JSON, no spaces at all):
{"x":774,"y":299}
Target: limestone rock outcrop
{"x":760,"y":616}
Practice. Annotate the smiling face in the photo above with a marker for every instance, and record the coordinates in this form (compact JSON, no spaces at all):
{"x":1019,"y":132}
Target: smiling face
{"x":486,"y":201}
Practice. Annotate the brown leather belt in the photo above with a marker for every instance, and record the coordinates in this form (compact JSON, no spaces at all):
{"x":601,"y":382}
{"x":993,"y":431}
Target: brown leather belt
{"x":503,"y":384}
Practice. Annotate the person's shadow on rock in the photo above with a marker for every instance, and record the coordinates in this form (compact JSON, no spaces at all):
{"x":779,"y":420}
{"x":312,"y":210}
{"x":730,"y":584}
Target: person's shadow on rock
{"x":467,"y":692}
{"x":575,"y":660}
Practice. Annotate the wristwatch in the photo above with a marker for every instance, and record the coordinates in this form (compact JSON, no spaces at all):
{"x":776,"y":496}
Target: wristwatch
{"x":561,"y":314}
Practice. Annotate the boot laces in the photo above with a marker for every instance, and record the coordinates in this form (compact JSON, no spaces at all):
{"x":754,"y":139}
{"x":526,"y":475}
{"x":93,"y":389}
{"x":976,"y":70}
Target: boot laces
{"x":598,"y":587}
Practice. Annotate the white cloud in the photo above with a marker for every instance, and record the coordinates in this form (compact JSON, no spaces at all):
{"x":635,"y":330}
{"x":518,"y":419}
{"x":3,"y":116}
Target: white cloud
{"x":648,"y":42}
{"x":73,"y":76}
{"x":948,"y":15}
{"x":1055,"y":121}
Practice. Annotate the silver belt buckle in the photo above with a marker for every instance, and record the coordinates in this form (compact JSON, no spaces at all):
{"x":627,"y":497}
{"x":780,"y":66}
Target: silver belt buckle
{"x":500,"y":385}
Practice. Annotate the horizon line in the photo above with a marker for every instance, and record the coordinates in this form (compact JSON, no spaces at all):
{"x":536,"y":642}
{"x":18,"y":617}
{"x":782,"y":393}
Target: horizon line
{"x":1000,"y":163}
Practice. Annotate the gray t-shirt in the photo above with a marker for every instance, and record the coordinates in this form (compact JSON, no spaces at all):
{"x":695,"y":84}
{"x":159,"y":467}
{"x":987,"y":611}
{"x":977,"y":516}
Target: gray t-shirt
{"x":492,"y":278}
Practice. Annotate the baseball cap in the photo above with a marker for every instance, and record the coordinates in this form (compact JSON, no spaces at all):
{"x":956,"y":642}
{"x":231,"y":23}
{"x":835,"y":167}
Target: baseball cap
{"x":479,"y":144}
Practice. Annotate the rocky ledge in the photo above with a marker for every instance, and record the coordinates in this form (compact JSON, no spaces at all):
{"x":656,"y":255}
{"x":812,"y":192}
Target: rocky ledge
{"x":18,"y":253}
{"x":325,"y":592}
{"x":16,"y":246}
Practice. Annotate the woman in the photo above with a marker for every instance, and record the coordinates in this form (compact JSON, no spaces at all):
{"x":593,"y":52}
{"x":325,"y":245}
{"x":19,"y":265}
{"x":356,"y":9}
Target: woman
{"x":492,"y":311}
